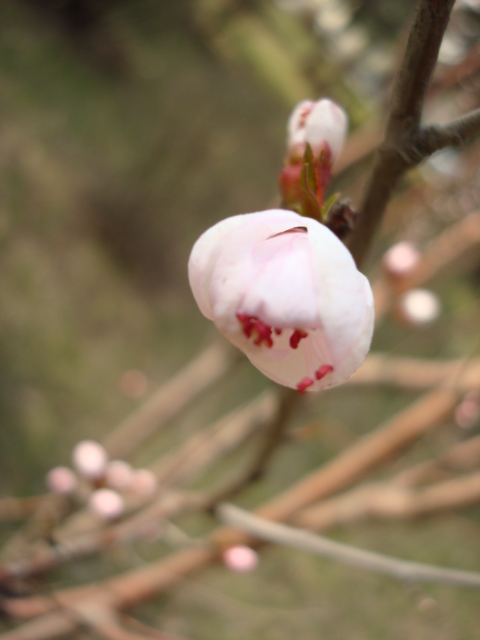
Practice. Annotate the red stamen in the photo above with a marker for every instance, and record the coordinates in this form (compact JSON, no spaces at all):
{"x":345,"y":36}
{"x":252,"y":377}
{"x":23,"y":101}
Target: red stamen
{"x":277,"y":331}
{"x":296,"y":336}
{"x":264,"y":334}
{"x":247,"y":323}
{"x":322,"y":371}
{"x":251,"y":324}
{"x":304,"y":383}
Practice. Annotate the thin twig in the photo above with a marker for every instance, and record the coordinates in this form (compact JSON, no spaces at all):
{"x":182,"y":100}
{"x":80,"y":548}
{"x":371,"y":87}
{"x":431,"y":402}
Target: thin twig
{"x":378,"y":563}
{"x":417,"y":373}
{"x":273,"y":436}
{"x":455,"y":133}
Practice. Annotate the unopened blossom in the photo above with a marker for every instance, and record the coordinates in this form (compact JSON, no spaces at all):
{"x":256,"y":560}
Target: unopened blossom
{"x":286,"y":291}
{"x":90,"y":459}
{"x":61,"y":480}
{"x":240,"y":558}
{"x":322,"y":124}
{"x":107,"y":504}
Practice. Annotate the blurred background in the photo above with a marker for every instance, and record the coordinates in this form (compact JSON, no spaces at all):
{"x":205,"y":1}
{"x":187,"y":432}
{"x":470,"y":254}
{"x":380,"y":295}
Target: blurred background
{"x":127,"y":127}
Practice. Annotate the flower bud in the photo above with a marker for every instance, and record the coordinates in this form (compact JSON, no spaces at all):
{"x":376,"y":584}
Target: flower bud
{"x":61,"y":480}
{"x":286,"y":291}
{"x":107,"y":504}
{"x":418,"y":307}
{"x":90,"y":459}
{"x":321,"y":124}
{"x":240,"y":558}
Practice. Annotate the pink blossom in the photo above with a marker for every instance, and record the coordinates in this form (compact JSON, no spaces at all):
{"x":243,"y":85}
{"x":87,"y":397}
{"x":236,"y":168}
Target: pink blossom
{"x":323,"y":124}
{"x":90,"y":459}
{"x":61,"y":480}
{"x":285,"y":291}
{"x":107,"y":504}
{"x":240,"y":558}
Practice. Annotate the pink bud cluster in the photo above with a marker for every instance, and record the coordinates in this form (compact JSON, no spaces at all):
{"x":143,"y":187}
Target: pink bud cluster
{"x":109,"y":480}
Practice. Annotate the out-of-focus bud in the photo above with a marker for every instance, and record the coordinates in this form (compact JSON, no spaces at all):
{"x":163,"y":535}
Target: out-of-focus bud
{"x":240,"y":558}
{"x":467,"y":413}
{"x":400,"y":261}
{"x":322,"y":124}
{"x":90,"y":459}
{"x":285,"y":291}
{"x":418,"y":307}
{"x":118,"y":474}
{"x":107,"y":504}
{"x":61,"y":480}
{"x":144,"y":483}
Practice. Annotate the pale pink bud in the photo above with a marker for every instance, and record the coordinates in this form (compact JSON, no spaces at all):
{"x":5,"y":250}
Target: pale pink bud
{"x":419,"y":307}
{"x":90,"y":459}
{"x":401,"y":259}
{"x":285,"y":291}
{"x":118,"y":474}
{"x":107,"y":504}
{"x":144,"y":482}
{"x":240,"y":558}
{"x":322,"y":124}
{"x":61,"y":480}
{"x":467,"y":413}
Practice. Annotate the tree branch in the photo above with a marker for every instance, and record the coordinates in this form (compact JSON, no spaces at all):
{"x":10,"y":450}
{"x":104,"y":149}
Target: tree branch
{"x":430,"y":21}
{"x":346,"y":554}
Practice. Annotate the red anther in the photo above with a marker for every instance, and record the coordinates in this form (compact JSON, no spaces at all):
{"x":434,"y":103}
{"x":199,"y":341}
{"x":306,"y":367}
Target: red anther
{"x":277,"y":331}
{"x":296,"y":336}
{"x":251,"y":324}
{"x":304,"y":383}
{"x":264,"y":333}
{"x":322,"y":371}
{"x":247,"y":323}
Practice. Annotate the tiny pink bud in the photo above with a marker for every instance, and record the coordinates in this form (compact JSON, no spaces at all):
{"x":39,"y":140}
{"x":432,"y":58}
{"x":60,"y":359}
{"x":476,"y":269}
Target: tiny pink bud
{"x":401,"y":259}
{"x":286,"y":291}
{"x":107,"y":504}
{"x":467,"y":413}
{"x":240,"y":558}
{"x":118,"y":474}
{"x":144,"y":482}
{"x":61,"y":480}
{"x":90,"y":459}
{"x":419,"y":306}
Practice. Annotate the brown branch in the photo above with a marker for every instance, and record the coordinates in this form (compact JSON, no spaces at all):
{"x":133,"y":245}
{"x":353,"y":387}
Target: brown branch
{"x":392,"y":502}
{"x":211,"y":365}
{"x":20,"y":508}
{"x":136,"y":586}
{"x":416,"y":373}
{"x":207,"y":446}
{"x":273,"y":436}
{"x":430,"y":21}
{"x":455,"y":133}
